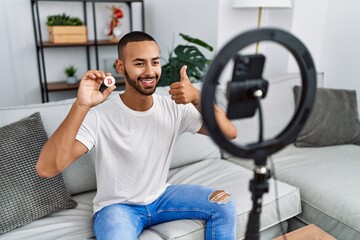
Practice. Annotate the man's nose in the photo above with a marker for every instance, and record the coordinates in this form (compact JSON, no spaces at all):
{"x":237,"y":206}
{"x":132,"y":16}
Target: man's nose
{"x":149,"y":70}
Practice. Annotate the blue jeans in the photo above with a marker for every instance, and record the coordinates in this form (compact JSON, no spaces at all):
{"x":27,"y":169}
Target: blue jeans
{"x":126,"y":222}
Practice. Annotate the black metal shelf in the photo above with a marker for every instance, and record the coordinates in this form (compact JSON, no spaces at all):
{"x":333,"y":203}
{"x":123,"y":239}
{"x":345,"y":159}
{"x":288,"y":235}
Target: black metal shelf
{"x":63,"y":86}
{"x":48,"y":44}
{"x":93,"y":43}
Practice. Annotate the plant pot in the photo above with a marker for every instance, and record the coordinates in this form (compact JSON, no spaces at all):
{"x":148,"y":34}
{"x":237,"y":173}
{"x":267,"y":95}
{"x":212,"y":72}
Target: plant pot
{"x":72,"y":80}
{"x":67,"y":34}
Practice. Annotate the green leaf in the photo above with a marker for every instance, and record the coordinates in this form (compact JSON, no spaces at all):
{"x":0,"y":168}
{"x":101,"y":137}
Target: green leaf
{"x":63,"y":20}
{"x":197,"y":42}
{"x":188,"y":55}
{"x":70,"y":70}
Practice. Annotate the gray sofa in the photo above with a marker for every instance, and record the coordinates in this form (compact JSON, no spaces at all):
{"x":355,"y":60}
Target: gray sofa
{"x":323,"y":162}
{"x":197,"y":160}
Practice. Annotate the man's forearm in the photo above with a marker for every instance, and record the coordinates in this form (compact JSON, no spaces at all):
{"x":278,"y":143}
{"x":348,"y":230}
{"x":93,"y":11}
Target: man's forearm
{"x":226,"y":126}
{"x":55,"y":154}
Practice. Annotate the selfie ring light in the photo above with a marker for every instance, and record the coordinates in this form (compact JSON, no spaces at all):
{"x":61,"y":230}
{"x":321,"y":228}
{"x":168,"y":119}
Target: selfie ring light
{"x":262,"y":149}
{"x":259,"y":151}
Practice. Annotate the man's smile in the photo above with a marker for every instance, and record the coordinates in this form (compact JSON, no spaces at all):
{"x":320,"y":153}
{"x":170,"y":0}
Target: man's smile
{"x":148,"y":82}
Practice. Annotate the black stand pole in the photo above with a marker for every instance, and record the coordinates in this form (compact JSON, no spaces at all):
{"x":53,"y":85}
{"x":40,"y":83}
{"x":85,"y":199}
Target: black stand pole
{"x":258,"y":186}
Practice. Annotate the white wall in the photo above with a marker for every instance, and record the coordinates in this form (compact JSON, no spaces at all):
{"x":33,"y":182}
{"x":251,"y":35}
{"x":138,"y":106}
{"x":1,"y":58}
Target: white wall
{"x":18,"y":53}
{"x":234,"y":21}
{"x":330,"y":29}
{"x":310,"y":28}
{"x":341,"y":49}
{"x":19,"y":77}
{"x":165,"y":19}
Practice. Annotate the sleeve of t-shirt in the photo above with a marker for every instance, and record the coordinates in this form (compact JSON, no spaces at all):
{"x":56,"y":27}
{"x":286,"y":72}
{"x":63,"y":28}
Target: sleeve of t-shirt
{"x":191,"y":120}
{"x":86,"y":133}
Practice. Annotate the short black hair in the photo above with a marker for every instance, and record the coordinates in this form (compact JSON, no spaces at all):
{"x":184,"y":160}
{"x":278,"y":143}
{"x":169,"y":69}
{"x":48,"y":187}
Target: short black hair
{"x":135,"y":36}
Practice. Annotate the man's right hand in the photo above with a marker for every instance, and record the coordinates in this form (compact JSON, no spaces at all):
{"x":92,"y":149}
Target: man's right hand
{"x":89,"y":93}
{"x":62,"y":148}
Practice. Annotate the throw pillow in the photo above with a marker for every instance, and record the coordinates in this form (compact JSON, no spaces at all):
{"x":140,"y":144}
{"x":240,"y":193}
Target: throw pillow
{"x":334,"y":119}
{"x":24,"y":196}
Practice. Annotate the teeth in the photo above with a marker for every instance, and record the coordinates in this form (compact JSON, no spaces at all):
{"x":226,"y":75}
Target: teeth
{"x":148,"y":81}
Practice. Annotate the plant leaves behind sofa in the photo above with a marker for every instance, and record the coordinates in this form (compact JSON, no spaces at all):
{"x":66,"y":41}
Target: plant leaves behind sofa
{"x":188,"y":55}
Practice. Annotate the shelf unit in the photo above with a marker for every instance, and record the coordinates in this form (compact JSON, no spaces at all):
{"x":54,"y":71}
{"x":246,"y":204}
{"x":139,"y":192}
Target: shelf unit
{"x":41,"y":45}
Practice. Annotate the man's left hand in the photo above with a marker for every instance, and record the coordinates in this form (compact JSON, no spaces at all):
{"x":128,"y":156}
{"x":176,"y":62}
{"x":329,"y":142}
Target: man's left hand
{"x":183,"y":92}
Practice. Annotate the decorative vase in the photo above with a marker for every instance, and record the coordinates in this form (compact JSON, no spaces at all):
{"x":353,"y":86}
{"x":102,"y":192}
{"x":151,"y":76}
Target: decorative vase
{"x":71,"y":80}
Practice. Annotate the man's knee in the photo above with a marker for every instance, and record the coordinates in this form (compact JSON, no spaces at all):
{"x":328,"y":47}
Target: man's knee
{"x":224,"y":203}
{"x":220,"y":197}
{"x":224,"y":210}
{"x":113,"y":223}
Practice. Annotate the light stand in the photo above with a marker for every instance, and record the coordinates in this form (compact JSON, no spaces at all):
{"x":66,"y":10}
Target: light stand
{"x":244,"y":93}
{"x":258,"y":186}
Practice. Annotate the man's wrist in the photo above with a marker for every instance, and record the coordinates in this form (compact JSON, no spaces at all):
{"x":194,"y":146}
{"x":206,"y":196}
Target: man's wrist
{"x":81,"y":107}
{"x":196,"y":101}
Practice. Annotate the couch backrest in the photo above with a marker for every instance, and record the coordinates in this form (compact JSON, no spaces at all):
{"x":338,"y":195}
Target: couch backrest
{"x":278,"y":108}
{"x":80,"y":176}
{"x":191,"y":148}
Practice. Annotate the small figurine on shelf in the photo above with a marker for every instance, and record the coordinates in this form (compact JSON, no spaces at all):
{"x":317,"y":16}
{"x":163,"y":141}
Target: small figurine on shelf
{"x":114,"y":31}
{"x":70,"y":74}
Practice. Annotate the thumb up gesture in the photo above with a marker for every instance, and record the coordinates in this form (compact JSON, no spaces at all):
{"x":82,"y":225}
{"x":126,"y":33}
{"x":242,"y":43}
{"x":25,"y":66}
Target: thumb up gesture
{"x":183,"y":92}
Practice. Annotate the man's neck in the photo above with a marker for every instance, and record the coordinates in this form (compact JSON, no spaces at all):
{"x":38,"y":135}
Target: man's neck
{"x":137,"y":101}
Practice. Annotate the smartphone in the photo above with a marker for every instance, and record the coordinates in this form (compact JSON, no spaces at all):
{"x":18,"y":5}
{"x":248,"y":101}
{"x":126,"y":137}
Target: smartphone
{"x":246,"y":79}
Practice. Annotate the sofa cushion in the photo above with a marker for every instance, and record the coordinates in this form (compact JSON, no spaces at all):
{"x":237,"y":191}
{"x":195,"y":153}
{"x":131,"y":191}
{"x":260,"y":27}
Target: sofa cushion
{"x":235,"y":179}
{"x":25,"y":196}
{"x":328,"y":180}
{"x":334,"y":119}
{"x":77,"y":223}
{"x":278,"y":108}
{"x":78,"y":177}
{"x":191,"y":148}
{"x":73,"y":223}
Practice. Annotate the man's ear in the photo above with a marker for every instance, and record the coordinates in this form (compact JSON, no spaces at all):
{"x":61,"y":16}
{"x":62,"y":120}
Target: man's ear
{"x":119,"y":65}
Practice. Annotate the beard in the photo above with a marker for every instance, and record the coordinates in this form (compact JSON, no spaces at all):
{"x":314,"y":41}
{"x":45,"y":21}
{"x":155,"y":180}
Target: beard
{"x":138,"y":87}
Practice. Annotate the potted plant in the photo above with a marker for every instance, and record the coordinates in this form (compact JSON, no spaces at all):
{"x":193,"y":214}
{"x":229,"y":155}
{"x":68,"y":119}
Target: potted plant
{"x":188,"y":55}
{"x":70,"y":74}
{"x":65,"y":29}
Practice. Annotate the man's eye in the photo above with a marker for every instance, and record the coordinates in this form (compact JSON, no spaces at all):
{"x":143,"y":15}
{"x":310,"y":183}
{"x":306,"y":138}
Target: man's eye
{"x":156,"y":62}
{"x":139,"y":64}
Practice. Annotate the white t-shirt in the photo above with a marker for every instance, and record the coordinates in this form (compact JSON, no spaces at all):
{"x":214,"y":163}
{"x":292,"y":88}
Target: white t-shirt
{"x":133,"y":149}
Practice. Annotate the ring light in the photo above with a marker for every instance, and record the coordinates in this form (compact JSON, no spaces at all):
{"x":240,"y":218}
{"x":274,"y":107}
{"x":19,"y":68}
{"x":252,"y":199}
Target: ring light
{"x":246,"y":89}
{"x":308,"y":76}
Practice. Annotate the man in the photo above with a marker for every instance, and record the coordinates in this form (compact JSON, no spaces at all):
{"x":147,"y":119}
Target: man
{"x":133,"y":136}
